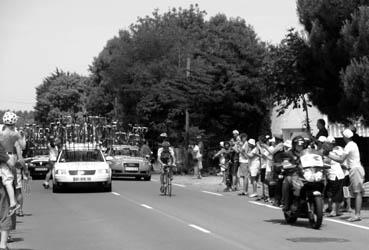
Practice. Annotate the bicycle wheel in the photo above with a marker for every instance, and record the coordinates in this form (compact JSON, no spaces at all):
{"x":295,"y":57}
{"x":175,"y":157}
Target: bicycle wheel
{"x":165,"y":184}
{"x":169,"y":189}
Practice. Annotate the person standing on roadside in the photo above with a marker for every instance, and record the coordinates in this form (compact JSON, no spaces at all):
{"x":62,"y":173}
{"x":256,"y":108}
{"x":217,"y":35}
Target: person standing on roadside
{"x":254,"y":165}
{"x":322,"y":130}
{"x":356,"y":171}
{"x":197,"y":152}
{"x":244,"y":164}
{"x":7,"y":222}
{"x":236,"y":147}
{"x":335,"y":178}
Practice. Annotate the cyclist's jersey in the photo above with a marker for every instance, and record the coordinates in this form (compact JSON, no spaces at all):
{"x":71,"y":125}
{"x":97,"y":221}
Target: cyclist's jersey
{"x":166,"y":156}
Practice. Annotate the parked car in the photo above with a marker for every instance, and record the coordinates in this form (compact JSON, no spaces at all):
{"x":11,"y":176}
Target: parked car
{"x":81,"y":164}
{"x":125,"y":161}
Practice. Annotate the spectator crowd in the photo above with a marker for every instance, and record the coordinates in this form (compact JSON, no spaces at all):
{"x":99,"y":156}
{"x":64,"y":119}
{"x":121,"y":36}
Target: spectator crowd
{"x":243,"y":161}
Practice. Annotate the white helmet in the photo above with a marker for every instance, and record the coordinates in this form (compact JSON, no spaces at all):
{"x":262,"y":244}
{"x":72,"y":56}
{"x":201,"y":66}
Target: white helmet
{"x":10,"y":118}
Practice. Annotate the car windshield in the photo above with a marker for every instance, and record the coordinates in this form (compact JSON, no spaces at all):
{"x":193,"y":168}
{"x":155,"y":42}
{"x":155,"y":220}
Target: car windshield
{"x":41,"y":151}
{"x":83,"y":155}
{"x":124,"y":151}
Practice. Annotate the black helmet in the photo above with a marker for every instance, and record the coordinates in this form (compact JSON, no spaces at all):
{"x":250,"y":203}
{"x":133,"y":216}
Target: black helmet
{"x":298,"y":141}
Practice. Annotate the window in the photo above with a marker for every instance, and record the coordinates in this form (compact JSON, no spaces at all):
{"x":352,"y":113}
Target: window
{"x":82,"y":155}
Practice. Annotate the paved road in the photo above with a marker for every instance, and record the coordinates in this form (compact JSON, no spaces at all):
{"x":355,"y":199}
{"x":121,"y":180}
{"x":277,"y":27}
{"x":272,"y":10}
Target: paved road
{"x":135,"y":216}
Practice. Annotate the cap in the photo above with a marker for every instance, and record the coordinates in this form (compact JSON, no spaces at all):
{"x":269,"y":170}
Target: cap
{"x":163,"y":135}
{"x":288,"y":144}
{"x":347,"y":133}
{"x":235,"y":132}
{"x":330,"y":139}
{"x":252,"y":142}
{"x":322,"y":139}
{"x":221,"y":144}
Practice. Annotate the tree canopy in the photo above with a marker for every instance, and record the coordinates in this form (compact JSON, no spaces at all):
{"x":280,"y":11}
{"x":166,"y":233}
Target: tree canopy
{"x":61,"y":93}
{"x":337,"y":33}
{"x":167,"y":63}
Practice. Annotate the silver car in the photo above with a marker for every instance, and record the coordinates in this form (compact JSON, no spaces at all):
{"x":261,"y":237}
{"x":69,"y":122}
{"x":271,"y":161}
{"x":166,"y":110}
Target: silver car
{"x":125,"y":161}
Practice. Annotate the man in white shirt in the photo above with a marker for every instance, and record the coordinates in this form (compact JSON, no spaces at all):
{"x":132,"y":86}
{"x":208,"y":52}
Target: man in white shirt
{"x":335,"y":178}
{"x":352,"y":156}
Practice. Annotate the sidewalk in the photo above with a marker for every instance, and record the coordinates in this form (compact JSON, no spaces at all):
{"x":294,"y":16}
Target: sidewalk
{"x":213,"y":184}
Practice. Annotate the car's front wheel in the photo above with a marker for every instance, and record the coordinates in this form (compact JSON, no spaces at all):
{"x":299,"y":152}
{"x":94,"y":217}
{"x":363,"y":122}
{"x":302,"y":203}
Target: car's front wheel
{"x":107,"y":187}
{"x":56,"y":188}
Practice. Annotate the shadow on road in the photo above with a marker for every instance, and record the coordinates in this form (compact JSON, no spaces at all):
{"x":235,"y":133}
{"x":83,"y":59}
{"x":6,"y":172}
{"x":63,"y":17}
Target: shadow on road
{"x":16,"y":239}
{"x":82,"y":189}
{"x":317,"y":240}
{"x":22,"y":249}
{"x":299,"y":223}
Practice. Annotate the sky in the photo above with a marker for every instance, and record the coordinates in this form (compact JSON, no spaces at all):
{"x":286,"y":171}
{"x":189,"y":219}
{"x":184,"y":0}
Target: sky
{"x":38,"y":36}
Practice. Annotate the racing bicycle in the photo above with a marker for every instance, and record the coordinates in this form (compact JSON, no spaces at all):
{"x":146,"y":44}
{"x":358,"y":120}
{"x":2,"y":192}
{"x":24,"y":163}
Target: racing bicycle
{"x":167,"y":180}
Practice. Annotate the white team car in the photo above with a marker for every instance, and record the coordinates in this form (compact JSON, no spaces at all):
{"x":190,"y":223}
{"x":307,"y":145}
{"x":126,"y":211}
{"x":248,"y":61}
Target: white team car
{"x":81,"y":164}
{"x":125,"y":161}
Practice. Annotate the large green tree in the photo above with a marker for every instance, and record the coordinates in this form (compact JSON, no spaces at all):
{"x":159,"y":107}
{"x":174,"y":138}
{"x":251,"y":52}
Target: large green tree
{"x":167,"y":63}
{"x":285,"y":74}
{"x":61,"y":93}
{"x":336,"y":34}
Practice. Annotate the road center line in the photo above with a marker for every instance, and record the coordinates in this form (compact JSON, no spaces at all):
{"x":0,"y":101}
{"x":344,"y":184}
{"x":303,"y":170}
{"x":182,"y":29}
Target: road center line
{"x":146,"y":206}
{"x":207,"y":192}
{"x":117,"y":194}
{"x":179,"y":185}
{"x":200,"y":228}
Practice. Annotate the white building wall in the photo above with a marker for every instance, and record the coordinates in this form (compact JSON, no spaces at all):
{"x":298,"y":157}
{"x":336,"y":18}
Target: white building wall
{"x":291,"y":123}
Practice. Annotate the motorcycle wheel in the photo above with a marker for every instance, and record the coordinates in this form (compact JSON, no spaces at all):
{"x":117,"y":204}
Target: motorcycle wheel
{"x":316,"y":213}
{"x":290,"y":219}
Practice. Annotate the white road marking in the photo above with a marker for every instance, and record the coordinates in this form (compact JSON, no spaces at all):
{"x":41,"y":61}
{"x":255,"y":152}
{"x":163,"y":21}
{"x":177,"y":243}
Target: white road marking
{"x":347,"y":223}
{"x":264,"y":205}
{"x":146,"y":206}
{"x":328,"y":219}
{"x":200,"y":228}
{"x":207,"y":192}
{"x":179,"y":185}
{"x":154,"y":180}
{"x":117,"y":194}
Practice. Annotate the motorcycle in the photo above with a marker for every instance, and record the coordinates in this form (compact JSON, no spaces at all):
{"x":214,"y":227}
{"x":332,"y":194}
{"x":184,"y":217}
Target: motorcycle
{"x":306,"y":199}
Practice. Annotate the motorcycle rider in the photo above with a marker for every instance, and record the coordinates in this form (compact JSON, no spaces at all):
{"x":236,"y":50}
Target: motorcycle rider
{"x":292,"y":159}
{"x":165,"y":157}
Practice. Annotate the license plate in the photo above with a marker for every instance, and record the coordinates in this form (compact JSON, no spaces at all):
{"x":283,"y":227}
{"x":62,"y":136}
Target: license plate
{"x":40,"y":169}
{"x":131,"y":169}
{"x":78,"y":179}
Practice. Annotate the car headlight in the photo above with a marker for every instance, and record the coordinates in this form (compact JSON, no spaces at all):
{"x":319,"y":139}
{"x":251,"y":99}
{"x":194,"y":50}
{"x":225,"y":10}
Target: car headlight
{"x":103,"y":171}
{"x":61,"y":171}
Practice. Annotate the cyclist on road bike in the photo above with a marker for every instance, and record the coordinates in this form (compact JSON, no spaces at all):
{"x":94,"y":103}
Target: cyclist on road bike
{"x":166,"y":157}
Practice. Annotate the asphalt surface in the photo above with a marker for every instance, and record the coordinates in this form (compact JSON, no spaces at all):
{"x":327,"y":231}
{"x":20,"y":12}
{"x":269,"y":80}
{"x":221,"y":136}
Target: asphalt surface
{"x":135,"y":216}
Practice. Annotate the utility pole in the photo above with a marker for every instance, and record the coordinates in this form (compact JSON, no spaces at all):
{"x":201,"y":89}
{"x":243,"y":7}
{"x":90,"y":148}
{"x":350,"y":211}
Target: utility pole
{"x":187,"y":121}
{"x":115,"y":108}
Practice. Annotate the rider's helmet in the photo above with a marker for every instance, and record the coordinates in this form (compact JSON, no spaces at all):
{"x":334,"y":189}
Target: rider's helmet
{"x":298,"y":143}
{"x":10,"y":118}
